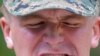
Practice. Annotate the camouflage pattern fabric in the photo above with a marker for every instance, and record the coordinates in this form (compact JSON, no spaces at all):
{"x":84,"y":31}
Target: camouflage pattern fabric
{"x":24,"y":7}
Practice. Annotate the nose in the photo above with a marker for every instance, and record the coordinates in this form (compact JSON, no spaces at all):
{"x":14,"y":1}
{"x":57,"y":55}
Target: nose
{"x":53,"y":38}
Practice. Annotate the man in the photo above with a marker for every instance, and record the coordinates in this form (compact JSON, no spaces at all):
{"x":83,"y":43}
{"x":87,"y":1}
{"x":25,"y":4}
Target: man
{"x":51,"y":27}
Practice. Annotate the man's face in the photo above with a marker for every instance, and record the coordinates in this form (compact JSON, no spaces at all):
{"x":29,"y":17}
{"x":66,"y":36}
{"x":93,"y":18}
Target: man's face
{"x":51,"y":33}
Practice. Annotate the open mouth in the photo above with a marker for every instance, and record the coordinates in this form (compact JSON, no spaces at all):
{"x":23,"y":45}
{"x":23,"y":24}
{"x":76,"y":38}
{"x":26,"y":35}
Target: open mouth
{"x":55,"y":55}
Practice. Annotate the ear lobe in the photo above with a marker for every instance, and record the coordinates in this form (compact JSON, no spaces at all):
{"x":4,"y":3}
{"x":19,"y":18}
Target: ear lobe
{"x":6,"y":31}
{"x":96,"y":34}
{"x":95,"y":42}
{"x":9,"y":42}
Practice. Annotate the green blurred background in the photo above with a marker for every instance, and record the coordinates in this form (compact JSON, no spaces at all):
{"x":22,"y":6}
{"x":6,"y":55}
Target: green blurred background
{"x":4,"y":51}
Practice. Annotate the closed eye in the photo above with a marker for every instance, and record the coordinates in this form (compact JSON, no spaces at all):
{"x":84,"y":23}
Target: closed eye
{"x":73,"y":25}
{"x":36,"y":25}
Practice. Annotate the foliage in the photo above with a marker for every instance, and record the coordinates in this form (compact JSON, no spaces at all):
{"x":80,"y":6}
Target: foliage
{"x":0,"y":6}
{"x":0,"y":2}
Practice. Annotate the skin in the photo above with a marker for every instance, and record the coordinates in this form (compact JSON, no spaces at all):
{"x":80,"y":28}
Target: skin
{"x":51,"y":31}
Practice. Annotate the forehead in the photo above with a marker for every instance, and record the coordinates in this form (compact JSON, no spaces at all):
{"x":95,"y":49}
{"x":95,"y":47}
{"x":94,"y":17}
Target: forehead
{"x":51,"y":14}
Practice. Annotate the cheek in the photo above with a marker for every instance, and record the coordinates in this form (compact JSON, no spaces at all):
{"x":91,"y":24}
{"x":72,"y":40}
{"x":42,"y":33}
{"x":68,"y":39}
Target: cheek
{"x":80,"y":38}
{"x":83,"y":37}
{"x":80,"y":34}
{"x":24,"y":40}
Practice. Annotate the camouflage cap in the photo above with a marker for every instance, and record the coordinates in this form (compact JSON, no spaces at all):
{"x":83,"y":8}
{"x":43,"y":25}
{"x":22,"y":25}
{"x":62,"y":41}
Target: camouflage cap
{"x":24,"y":7}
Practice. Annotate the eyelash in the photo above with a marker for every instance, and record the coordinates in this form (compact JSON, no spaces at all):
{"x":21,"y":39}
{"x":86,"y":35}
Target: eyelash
{"x":38,"y":25}
{"x":74,"y":25}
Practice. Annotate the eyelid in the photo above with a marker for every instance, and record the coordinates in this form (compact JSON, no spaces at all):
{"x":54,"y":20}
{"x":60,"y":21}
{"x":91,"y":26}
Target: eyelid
{"x":73,"y":23}
{"x":37,"y":25}
{"x":31,"y":21}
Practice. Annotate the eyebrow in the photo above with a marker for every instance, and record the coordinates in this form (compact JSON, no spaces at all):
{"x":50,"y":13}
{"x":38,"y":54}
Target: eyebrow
{"x":31,"y":16}
{"x":73,"y":16}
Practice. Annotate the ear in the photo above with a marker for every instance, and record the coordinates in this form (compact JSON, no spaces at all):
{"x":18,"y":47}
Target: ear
{"x":96,"y":33}
{"x":6,"y":31}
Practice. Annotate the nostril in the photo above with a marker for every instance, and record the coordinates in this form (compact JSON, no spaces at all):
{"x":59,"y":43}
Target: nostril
{"x":66,"y":55}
